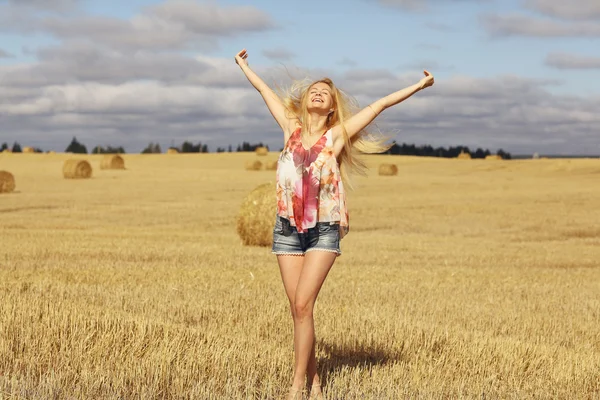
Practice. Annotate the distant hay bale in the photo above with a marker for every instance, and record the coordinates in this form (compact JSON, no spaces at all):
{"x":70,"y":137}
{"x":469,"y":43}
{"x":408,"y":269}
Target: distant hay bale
{"x":536,"y":156}
{"x":253,"y":165}
{"x":271,"y":165}
{"x":112,"y":161}
{"x":77,"y":169}
{"x":493,"y":157}
{"x":464,"y":156}
{"x":28,"y":149}
{"x":172,"y":151}
{"x":388,"y":169}
{"x":7,"y":182}
{"x":7,"y":151}
{"x":262,"y":151}
{"x":257,"y":216}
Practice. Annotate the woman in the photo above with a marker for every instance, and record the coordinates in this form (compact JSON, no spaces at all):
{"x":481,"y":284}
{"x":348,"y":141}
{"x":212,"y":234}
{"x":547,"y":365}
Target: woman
{"x":320,"y":133}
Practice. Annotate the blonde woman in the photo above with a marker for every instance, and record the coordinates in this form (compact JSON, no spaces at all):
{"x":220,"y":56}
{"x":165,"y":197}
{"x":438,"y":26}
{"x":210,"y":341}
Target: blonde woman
{"x":322,"y":132}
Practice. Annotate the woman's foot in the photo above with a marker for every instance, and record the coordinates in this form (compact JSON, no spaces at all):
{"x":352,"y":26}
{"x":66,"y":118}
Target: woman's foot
{"x":295,"y":394}
{"x":315,"y":392}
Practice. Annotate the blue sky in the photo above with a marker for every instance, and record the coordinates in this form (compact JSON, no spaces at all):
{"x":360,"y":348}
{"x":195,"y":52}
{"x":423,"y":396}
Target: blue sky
{"x":521,"y":75}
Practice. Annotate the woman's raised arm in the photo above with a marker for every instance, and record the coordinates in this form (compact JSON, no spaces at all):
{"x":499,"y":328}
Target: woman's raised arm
{"x":364,"y":117}
{"x":271,"y":99}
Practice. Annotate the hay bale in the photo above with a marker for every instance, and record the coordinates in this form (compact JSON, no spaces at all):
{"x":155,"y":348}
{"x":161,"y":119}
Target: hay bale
{"x":253,"y":165}
{"x":388,"y":170}
{"x":27,"y":149}
{"x":77,"y":169}
{"x":493,"y":157}
{"x":172,"y":151}
{"x":7,"y":182}
{"x":257,"y":216}
{"x":464,"y":156}
{"x":271,"y":165}
{"x":261,"y":151}
{"x":7,"y":151}
{"x":112,"y":161}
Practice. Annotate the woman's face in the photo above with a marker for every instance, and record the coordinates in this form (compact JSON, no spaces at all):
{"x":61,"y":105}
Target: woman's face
{"x":319,"y":98}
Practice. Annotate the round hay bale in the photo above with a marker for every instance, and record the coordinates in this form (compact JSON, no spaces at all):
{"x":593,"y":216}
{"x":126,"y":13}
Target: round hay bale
{"x":77,"y":169}
{"x":28,"y":149}
{"x":464,"y":156}
{"x":7,"y":182}
{"x":271,"y":165}
{"x":253,"y":165}
{"x":493,"y":157}
{"x":261,"y":151}
{"x":257,"y":216}
{"x":172,"y":151}
{"x":112,"y":161}
{"x":388,"y":170}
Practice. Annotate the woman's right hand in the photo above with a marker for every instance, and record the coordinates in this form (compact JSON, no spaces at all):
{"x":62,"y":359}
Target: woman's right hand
{"x":240,"y":58}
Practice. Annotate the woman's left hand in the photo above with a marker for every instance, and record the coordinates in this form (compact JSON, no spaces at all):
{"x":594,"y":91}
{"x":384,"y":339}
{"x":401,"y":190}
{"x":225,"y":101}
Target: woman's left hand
{"x":427,"y":81}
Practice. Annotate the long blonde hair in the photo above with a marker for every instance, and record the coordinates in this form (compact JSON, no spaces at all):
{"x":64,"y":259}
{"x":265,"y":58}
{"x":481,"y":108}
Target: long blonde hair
{"x":345,"y":106}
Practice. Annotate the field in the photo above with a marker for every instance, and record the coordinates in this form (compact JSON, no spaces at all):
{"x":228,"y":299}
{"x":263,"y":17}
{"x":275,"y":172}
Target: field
{"x":458,"y":279}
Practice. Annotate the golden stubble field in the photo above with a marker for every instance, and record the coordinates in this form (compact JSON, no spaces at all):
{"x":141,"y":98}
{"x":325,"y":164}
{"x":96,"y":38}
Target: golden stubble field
{"x":459,"y":279}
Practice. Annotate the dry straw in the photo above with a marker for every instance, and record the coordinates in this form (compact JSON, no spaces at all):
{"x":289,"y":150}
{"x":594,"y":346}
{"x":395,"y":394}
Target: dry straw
{"x":388,"y":169}
{"x":7,"y":182}
{"x":271,"y":165}
{"x":172,"y":151}
{"x":464,"y":156}
{"x":261,"y":151}
{"x":77,"y":169}
{"x":253,"y":165}
{"x":493,"y":157}
{"x":112,"y":161}
{"x":28,"y":150}
{"x":256,"y":217}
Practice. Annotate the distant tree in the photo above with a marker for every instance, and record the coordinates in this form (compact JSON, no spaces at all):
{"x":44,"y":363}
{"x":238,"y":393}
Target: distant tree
{"x":220,"y":150}
{"x":229,"y":149}
{"x":503,"y":154}
{"x":152,"y":148}
{"x":4,"y":146}
{"x":188,"y":147}
{"x":17,"y":148}
{"x":246,"y":146}
{"x":108,"y":150}
{"x":76,"y":147}
{"x":98,"y":150}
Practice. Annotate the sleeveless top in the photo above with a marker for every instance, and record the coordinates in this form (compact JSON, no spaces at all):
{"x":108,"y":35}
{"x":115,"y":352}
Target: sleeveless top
{"x":309,"y":184}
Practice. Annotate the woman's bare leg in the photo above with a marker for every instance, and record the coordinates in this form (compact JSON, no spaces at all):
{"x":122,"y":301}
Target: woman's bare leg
{"x":314,"y":271}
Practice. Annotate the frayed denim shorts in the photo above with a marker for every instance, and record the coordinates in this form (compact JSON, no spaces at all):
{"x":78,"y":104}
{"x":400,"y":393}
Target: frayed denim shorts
{"x":287,"y":241}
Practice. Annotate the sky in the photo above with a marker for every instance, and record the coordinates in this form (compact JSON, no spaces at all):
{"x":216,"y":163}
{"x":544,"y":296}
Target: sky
{"x":517,"y":75}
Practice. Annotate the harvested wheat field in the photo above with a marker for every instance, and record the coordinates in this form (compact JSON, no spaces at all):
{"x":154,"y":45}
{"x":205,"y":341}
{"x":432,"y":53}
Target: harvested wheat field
{"x":457,"y":280}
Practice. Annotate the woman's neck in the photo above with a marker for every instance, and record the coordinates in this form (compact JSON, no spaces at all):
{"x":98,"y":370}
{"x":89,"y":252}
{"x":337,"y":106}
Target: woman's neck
{"x":317,"y":124}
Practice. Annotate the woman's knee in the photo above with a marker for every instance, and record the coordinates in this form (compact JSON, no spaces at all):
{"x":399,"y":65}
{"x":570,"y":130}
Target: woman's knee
{"x":302,"y":309}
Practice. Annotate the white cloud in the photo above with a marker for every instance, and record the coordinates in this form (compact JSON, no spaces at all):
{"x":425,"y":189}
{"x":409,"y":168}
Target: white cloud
{"x":572,"y":9}
{"x":278,"y":54}
{"x":572,"y":61}
{"x":524,"y":25}
{"x":216,"y":105}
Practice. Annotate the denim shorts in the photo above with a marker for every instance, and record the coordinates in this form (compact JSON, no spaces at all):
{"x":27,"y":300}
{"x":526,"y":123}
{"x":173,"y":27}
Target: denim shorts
{"x":287,"y":241}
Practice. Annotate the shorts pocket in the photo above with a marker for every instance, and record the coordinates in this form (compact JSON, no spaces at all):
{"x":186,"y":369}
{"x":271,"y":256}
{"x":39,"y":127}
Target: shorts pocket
{"x":278,"y":228}
{"x":325,"y":227}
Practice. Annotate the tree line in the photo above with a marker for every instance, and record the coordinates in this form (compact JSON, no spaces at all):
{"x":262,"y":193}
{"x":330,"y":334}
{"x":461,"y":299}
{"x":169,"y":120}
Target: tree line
{"x":188,"y":147}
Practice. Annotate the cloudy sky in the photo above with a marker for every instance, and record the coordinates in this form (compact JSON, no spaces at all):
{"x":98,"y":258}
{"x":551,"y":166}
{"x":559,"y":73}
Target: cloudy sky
{"x":521,"y":75}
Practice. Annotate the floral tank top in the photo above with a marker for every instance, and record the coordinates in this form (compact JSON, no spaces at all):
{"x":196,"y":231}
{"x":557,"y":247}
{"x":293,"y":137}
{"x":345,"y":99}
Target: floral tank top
{"x":309,"y":184}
